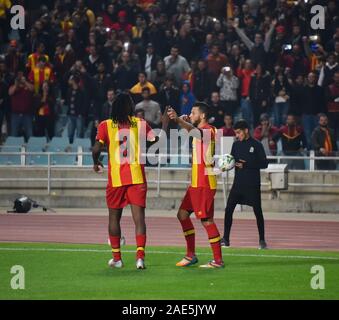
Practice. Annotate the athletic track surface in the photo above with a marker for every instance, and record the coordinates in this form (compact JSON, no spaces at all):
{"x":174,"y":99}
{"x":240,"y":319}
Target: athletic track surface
{"x":163,"y":231}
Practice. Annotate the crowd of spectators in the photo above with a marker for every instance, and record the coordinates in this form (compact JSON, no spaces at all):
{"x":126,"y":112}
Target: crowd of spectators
{"x":257,"y":59}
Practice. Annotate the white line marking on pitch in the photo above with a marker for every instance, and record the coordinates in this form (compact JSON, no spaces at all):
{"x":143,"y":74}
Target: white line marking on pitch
{"x":167,"y":252}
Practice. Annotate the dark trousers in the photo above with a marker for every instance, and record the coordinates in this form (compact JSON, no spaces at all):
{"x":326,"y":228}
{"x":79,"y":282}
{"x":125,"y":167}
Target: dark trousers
{"x":21,"y":121}
{"x":248,"y":196}
{"x":2,"y":116}
{"x":333,"y":117}
{"x":44,"y":127}
{"x":75,"y":123}
{"x":326,"y":165}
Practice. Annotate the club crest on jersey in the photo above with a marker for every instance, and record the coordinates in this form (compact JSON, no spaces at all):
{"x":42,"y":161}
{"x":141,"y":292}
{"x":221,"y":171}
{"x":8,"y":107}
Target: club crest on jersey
{"x":251,"y":150}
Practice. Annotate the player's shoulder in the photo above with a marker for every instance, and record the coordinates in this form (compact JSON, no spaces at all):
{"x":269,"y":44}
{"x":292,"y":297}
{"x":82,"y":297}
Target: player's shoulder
{"x":104,"y":122}
{"x":209,"y":127}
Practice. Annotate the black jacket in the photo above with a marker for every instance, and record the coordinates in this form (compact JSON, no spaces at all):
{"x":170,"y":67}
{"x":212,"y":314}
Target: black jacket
{"x":296,"y":99}
{"x":126,"y":77}
{"x":313,"y":100}
{"x":104,"y":112}
{"x":318,"y":140}
{"x":292,"y":139}
{"x":169,"y":97}
{"x":202,"y":84}
{"x":79,"y":102}
{"x":258,"y":55}
{"x":217,"y":112}
{"x":260,"y":88}
{"x":101,"y":87}
{"x":154,"y":62}
{"x":251,"y":151}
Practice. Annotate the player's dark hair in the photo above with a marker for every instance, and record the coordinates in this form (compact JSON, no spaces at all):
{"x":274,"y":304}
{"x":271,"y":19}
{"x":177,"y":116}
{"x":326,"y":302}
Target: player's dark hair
{"x":203,"y":108}
{"x":122,"y":108}
{"x":241,"y":125}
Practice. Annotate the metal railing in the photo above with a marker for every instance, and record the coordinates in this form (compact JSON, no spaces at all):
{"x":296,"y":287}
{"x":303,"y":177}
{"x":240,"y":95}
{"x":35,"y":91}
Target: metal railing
{"x":159,"y":168}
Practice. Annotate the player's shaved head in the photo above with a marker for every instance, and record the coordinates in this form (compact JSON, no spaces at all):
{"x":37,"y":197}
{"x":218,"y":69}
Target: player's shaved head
{"x":203,"y":108}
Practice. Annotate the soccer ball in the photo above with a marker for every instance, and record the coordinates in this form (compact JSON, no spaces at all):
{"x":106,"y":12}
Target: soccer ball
{"x":226,"y":162}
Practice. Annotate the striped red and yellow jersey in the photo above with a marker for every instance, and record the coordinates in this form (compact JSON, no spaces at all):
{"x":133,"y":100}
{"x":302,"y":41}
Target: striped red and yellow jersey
{"x":202,"y":159}
{"x":33,"y":58}
{"x":125,"y":144}
{"x":37,"y":76}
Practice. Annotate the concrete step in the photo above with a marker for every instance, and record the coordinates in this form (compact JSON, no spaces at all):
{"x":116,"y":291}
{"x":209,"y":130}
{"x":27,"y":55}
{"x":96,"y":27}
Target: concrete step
{"x":90,"y":191}
{"x":161,"y":203}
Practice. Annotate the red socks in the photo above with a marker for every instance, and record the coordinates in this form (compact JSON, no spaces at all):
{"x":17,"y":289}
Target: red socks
{"x":214,"y":239}
{"x":141,"y":243}
{"x":115,"y":244}
{"x":189,"y":234}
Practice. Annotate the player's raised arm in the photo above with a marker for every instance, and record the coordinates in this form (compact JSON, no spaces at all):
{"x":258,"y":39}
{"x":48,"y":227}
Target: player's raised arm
{"x":184,"y":122}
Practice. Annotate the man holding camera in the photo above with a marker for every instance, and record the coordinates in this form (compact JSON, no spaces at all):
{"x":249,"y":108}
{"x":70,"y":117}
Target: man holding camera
{"x":228,"y":84}
{"x":21,"y":95}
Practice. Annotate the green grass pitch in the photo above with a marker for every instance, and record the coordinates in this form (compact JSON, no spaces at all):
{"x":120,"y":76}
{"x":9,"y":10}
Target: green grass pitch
{"x":59,"y":271}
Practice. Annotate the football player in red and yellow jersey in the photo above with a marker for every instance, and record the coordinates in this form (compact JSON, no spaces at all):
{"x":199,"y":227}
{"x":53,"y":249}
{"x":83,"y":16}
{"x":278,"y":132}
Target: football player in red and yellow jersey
{"x":199,"y":197}
{"x":124,"y":136}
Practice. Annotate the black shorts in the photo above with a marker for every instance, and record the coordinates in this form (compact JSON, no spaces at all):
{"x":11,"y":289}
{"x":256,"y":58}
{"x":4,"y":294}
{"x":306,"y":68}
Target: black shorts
{"x":249,"y":196}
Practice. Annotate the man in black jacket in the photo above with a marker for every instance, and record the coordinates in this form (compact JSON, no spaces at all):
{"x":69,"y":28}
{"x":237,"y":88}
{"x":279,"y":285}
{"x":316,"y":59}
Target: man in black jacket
{"x":250,"y":157}
{"x":293,"y":142}
{"x":77,"y":109}
{"x":260,"y":92}
{"x":102,"y":112}
{"x":150,"y":60}
{"x":324,"y":144}
{"x":313,"y":104}
{"x":169,"y":95}
{"x":202,"y":82}
{"x":125,"y":74}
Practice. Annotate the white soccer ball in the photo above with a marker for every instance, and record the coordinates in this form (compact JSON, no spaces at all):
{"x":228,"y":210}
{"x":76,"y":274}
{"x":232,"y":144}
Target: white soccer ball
{"x":226,"y":162}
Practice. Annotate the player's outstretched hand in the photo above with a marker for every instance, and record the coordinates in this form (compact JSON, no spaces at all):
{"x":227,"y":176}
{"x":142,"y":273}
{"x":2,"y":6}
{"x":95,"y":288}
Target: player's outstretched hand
{"x":98,"y":168}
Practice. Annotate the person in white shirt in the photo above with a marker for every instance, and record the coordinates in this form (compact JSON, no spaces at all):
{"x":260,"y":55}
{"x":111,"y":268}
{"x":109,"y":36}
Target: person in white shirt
{"x":177,"y":65}
{"x":151,"y":108}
